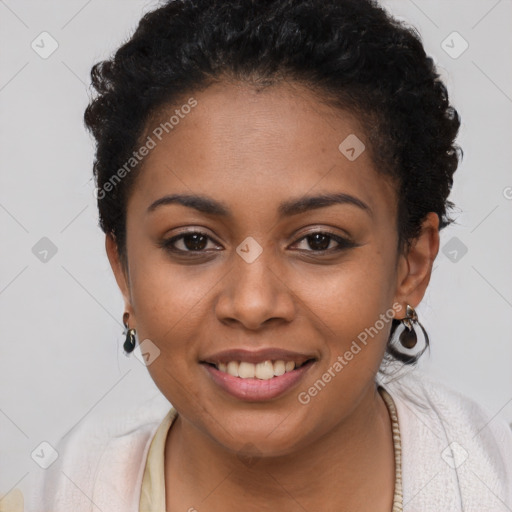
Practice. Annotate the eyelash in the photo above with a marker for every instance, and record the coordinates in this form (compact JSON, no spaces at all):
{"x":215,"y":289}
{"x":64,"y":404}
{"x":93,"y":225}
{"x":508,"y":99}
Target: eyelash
{"x":344,"y":243}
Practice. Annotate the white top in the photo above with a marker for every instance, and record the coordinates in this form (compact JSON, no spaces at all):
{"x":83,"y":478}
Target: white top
{"x":455,"y":456}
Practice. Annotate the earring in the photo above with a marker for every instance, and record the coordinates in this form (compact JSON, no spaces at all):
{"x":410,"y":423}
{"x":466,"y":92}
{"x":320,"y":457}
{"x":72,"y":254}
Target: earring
{"x":408,"y":337}
{"x":403,"y":335}
{"x":129,"y":343}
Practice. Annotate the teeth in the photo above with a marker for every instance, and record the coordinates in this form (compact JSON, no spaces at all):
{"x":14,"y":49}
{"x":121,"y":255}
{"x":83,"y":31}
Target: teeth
{"x":289,"y":366}
{"x":279,"y":368}
{"x":232,"y":368}
{"x":246,"y":370}
{"x":264,"y":371}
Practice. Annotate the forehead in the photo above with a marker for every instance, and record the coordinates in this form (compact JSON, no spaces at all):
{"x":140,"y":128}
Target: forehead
{"x":242,"y":144}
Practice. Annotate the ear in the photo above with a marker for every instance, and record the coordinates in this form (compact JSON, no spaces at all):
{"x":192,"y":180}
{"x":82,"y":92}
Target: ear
{"x":415,"y":266}
{"x":120,"y":273}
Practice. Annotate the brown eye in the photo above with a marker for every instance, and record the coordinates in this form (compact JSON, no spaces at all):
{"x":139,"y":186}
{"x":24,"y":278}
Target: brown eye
{"x":319,"y":241}
{"x":194,"y":241}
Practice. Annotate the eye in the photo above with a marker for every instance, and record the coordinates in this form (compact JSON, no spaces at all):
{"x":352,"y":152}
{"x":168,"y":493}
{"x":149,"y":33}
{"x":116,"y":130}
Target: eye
{"x":191,"y":241}
{"x":320,"y":241}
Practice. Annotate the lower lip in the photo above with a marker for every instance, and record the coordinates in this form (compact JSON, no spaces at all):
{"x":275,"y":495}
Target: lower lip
{"x":257,"y":390}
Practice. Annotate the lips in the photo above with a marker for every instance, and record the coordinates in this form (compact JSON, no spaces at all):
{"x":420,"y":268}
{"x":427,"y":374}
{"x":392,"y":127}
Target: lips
{"x":257,"y":375}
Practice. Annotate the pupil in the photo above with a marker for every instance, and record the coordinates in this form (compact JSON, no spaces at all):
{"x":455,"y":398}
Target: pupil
{"x":198,"y":241}
{"x":320,"y":240}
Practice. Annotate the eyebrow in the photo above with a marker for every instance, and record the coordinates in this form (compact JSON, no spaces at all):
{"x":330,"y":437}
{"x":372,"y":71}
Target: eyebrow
{"x":288,"y":208}
{"x":200,"y":203}
{"x":303,"y":204}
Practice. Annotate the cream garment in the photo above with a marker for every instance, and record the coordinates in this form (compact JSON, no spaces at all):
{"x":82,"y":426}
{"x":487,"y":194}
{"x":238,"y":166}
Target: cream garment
{"x":456,"y":456}
{"x":152,"y":497}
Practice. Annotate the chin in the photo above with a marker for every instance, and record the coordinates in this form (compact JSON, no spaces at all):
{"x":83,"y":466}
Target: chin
{"x":259,"y":432}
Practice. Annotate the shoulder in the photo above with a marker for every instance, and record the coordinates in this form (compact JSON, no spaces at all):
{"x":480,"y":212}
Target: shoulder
{"x":439,"y":403}
{"x":100,"y":462}
{"x":454,"y":450}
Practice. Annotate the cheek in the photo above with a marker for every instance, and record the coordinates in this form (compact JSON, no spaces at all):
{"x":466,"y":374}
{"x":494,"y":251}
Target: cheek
{"x":355,"y":292}
{"x":169,"y":305}
{"x":166,"y":295}
{"x":355,"y":304}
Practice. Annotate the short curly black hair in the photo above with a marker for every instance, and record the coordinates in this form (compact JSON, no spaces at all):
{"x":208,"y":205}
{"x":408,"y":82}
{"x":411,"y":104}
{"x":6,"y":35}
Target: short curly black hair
{"x":350,"y":53}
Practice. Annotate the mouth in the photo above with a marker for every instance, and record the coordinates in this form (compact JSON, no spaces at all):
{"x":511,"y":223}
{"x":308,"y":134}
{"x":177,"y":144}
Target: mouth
{"x":257,"y":375}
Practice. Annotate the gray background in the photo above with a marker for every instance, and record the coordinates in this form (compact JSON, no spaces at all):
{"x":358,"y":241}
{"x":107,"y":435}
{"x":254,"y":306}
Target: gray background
{"x":61,"y":332}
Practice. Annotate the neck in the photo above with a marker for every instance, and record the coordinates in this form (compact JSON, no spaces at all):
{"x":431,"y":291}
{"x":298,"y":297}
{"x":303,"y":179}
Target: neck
{"x":351,"y":467}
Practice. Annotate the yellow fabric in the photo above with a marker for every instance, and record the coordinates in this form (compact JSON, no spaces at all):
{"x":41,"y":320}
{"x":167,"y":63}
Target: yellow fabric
{"x":152,"y":498}
{"x":12,"y":501}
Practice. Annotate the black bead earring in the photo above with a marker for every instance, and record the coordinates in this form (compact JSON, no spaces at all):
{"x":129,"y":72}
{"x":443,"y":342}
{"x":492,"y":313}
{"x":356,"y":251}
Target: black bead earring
{"x":130,"y":341}
{"x":408,"y":337}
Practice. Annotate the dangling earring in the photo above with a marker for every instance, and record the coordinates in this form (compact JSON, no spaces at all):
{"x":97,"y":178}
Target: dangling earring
{"x":129,"y":343}
{"x":403,"y":336}
{"x":408,"y":337}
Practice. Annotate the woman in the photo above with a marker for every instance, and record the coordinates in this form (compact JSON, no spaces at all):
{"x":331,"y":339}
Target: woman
{"x":272,"y":177}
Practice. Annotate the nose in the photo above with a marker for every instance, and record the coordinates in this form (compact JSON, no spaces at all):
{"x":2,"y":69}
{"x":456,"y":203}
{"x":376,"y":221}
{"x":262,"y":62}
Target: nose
{"x":255,"y":294}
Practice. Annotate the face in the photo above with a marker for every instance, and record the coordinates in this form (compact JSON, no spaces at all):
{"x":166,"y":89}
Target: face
{"x":256,"y":270}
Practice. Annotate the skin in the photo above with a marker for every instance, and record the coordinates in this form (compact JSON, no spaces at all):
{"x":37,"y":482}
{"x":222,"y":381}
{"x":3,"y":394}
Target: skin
{"x":253,"y":149}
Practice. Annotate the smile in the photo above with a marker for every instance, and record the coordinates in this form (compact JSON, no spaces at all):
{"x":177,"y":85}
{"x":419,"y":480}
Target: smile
{"x":259,"y":375}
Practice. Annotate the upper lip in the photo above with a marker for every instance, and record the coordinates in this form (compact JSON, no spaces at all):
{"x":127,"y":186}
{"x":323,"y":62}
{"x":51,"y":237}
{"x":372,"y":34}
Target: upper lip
{"x":257,"y":356}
